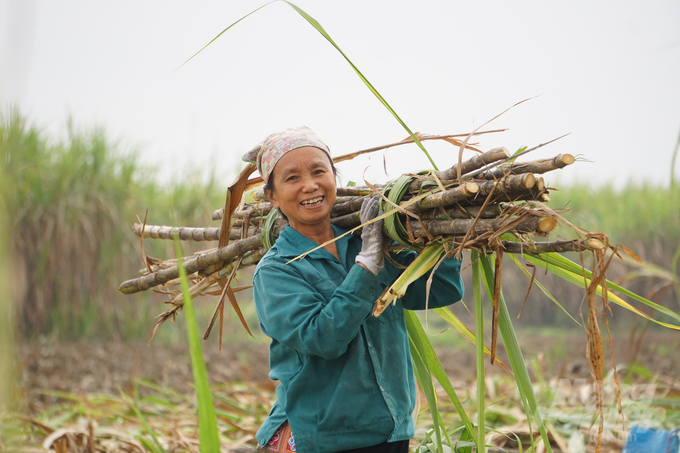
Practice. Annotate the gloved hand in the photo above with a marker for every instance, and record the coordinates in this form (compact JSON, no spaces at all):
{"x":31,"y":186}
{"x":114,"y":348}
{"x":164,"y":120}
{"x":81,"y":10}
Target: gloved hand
{"x":371,"y":255}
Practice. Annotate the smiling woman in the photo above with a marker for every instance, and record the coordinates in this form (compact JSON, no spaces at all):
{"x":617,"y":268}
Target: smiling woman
{"x":305,"y":191}
{"x":347,"y":382}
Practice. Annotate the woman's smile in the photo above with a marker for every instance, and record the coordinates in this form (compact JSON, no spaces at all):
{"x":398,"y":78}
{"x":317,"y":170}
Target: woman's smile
{"x":313,"y":203}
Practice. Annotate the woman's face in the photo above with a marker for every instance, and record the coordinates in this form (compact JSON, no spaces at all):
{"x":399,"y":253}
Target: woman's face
{"x":304,"y":187}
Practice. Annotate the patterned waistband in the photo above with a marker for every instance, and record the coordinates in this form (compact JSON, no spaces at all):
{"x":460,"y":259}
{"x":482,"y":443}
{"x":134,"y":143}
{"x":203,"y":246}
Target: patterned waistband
{"x":282,"y":441}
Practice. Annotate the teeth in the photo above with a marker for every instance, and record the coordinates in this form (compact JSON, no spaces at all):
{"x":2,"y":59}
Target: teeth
{"x":313,"y":201}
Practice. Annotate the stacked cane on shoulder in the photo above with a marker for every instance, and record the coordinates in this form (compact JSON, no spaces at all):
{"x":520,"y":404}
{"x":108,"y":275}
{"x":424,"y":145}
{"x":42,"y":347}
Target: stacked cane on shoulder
{"x":497,"y":195}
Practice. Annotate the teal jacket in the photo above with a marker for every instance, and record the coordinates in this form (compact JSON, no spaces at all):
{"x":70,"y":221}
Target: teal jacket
{"x":346,"y":378}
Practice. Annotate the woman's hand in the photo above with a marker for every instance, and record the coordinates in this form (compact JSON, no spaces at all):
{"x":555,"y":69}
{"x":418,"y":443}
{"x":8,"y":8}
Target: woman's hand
{"x":371,"y":256}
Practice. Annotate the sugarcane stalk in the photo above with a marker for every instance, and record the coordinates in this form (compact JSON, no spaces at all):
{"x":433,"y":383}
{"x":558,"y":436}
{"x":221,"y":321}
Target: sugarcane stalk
{"x":182,"y":233}
{"x":156,"y":264}
{"x":534,"y":248}
{"x":534,"y":166}
{"x":510,"y":183}
{"x":510,"y":197}
{"x":459,"y":212}
{"x":249,"y":259}
{"x":259,"y":195}
{"x":224,"y":254}
{"x":457,"y":227}
{"x":509,"y":189}
{"x":260,"y":210}
{"x":353,"y":205}
{"x":189,"y":233}
{"x":491,"y":213}
{"x":540,"y":184}
{"x":475,"y":163}
{"x":445,"y":198}
{"x":347,"y":221}
{"x":449,"y":176}
{"x":357,"y":191}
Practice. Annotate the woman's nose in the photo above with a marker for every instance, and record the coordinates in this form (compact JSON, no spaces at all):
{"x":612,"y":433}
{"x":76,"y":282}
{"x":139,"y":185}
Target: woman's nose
{"x":309,"y":184}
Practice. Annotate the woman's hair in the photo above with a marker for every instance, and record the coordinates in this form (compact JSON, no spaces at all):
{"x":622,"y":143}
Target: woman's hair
{"x":269,"y":185}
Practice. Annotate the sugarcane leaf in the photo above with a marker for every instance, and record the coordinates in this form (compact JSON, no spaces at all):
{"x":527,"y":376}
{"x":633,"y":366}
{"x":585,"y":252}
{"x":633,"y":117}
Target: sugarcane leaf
{"x":517,"y":153}
{"x":416,"y":331}
{"x":515,"y":356}
{"x":393,"y":226}
{"x":464,"y":446}
{"x":156,"y":446}
{"x":479,"y":343}
{"x":370,"y":86}
{"x":448,"y":316}
{"x":647,"y":269}
{"x":425,"y":261}
{"x":574,"y":273}
{"x":222,"y":32}
{"x":148,"y":445}
{"x":562,"y":267}
{"x":314,"y":23}
{"x":424,"y":378}
{"x":630,"y":253}
{"x":466,"y":441}
{"x":207,"y":423}
{"x":542,"y":288}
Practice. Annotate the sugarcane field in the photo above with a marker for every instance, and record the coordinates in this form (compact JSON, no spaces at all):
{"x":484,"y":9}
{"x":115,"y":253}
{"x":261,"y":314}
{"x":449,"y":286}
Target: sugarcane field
{"x":345,"y":227}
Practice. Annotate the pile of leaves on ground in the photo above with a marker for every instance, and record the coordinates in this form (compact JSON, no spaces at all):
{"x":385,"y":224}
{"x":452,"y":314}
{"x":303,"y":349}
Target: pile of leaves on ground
{"x":147,"y":417}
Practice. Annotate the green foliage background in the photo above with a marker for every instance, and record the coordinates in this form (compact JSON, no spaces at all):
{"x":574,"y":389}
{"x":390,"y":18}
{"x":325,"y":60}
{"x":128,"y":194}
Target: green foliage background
{"x":70,"y":205}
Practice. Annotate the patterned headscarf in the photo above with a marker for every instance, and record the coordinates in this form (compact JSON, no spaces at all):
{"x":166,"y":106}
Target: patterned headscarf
{"x":271,"y":149}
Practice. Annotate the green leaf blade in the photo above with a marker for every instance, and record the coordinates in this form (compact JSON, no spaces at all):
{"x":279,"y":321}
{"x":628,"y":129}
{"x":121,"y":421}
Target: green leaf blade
{"x":207,"y":421}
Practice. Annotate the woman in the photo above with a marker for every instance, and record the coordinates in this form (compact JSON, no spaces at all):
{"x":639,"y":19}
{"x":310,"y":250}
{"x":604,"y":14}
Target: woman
{"x":346,"y":379}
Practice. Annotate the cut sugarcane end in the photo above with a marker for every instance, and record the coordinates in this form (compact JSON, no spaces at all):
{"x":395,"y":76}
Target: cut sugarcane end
{"x":388,"y":297}
{"x":540,"y":184}
{"x":501,"y":150}
{"x":471,"y":186}
{"x":568,"y":159}
{"x":595,"y":244}
{"x":547,"y":224}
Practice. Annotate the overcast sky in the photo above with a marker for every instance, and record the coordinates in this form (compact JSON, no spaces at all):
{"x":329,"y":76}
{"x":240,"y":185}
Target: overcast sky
{"x":605,"y":72}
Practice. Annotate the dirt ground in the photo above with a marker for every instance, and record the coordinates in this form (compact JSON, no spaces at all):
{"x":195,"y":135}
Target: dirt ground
{"x":106,"y":367}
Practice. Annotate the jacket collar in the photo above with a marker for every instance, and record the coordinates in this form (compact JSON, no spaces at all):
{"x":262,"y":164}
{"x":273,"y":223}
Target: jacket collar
{"x":291,"y":244}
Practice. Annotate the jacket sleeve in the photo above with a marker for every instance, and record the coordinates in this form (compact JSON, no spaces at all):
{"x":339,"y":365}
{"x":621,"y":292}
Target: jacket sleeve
{"x":447,"y":285}
{"x":315,"y":317}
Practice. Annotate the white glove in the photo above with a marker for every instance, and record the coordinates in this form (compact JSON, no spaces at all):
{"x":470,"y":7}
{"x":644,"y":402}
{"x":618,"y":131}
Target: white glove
{"x":371,"y":255}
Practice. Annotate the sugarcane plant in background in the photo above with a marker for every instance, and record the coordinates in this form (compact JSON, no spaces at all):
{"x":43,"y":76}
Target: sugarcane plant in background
{"x":490,"y":205}
{"x":7,"y":369}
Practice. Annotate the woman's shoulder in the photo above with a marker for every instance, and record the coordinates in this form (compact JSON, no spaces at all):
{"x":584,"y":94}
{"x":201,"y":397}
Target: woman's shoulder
{"x":271,"y":258}
{"x":279,"y":261}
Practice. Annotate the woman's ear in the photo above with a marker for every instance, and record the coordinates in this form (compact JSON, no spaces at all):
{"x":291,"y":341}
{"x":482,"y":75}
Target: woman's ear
{"x":272,"y":198}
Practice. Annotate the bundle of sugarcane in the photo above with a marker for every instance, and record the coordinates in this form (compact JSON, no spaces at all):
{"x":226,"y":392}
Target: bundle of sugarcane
{"x":488,"y":203}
